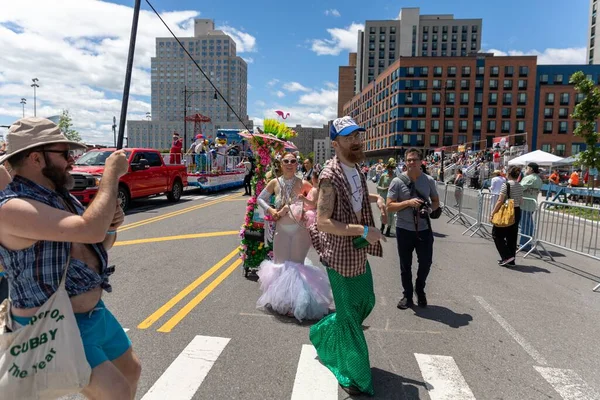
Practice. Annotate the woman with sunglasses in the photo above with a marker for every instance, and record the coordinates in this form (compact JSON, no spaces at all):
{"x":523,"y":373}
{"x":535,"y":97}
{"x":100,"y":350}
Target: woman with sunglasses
{"x":290,"y":284}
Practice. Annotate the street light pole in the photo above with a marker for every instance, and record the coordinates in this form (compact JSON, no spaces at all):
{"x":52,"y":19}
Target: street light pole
{"x":23,"y":102}
{"x":186,"y":95}
{"x":34,"y":85}
{"x":443,"y":129}
{"x":114,"y":128}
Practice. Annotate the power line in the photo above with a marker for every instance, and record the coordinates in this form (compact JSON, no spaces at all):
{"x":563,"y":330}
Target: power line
{"x":198,"y":66}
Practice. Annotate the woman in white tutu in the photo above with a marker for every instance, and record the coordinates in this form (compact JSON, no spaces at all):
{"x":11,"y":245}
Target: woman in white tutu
{"x":290,"y":284}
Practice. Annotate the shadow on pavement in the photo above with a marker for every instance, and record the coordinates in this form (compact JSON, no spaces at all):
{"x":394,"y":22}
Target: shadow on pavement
{"x":528,"y":269}
{"x":443,"y":315}
{"x":439,"y":235}
{"x":388,"y":385}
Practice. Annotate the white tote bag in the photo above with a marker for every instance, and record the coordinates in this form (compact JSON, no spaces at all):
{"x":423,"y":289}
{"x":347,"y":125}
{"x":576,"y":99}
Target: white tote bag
{"x":44,"y":359}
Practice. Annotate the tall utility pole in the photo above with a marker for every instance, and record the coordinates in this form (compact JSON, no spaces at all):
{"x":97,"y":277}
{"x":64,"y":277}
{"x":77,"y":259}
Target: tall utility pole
{"x":34,"y":85}
{"x":444,"y":83}
{"x":23,"y":102}
{"x":114,"y":128}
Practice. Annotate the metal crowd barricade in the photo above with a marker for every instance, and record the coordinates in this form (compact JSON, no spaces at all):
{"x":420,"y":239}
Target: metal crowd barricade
{"x":526,"y":231}
{"x":558,"y":225}
{"x":209,"y":162}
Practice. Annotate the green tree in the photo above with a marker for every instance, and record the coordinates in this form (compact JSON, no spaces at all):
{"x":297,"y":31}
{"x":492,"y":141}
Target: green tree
{"x":65,"y":123}
{"x":587,"y":112}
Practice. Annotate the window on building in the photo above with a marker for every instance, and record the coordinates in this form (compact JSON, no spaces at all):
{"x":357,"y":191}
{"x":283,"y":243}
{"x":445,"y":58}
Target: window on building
{"x":522,"y":99}
{"x":479,"y":98}
{"x":558,"y":79}
{"x":544,"y":78}
{"x":564,"y":99}
{"x":451,"y":71}
{"x":522,"y":84}
{"x":547,"y":126}
{"x":523,"y":71}
{"x":563,"y":113}
{"x":436,"y":98}
{"x":424,"y":71}
{"x":421,"y":126}
{"x":463,"y":126}
{"x":507,"y":99}
{"x":449,"y":126}
{"x":493,"y":84}
{"x":464,"y":98}
{"x":466,"y":71}
{"x":549,"y":98}
{"x":520,"y":126}
{"x":546,"y":147}
{"x":437,"y":84}
{"x":449,"y":111}
{"x":579,"y":98}
{"x":450,"y":98}
{"x":493,"y":98}
{"x":463,"y":112}
{"x":494,"y":71}
{"x":508,"y":84}
{"x":548,"y":112}
{"x":435,"y":125}
{"x":421,"y":111}
{"x":434,"y":139}
{"x":505,"y":127}
{"x":492,"y":112}
{"x":480,"y":70}
{"x":506,"y":112}
{"x":509,"y":71}
{"x":491,"y":126}
{"x":465,"y":84}
{"x":477,"y":111}
{"x":561,"y":149}
{"x":576,"y":148}
{"x":477,"y":125}
{"x":562,"y":127}
{"x":437,"y":71}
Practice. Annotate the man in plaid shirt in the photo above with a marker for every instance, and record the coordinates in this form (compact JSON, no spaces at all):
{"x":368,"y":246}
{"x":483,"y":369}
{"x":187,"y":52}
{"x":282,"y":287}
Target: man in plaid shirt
{"x":343,"y":236}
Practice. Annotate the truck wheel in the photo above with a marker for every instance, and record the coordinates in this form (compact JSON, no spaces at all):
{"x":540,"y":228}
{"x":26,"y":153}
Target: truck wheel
{"x":124,"y":196}
{"x":175,"y":194}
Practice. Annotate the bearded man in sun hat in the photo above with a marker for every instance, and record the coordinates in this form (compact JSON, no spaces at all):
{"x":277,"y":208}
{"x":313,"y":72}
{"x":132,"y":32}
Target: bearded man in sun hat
{"x":42,"y":226}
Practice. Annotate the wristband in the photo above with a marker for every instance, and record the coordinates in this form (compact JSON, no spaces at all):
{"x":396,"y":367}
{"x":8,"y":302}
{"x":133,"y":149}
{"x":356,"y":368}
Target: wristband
{"x":365,"y":232}
{"x":111,"y":232}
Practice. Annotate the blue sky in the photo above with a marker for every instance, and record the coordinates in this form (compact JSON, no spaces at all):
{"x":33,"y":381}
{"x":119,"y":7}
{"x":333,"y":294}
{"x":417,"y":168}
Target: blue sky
{"x":279,"y":41}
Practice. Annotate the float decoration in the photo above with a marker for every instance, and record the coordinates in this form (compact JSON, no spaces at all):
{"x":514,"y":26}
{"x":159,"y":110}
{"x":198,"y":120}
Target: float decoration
{"x":265,"y":146}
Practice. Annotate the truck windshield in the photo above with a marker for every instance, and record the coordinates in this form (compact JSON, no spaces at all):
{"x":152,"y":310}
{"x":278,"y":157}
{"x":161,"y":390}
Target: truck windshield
{"x":96,"y":157}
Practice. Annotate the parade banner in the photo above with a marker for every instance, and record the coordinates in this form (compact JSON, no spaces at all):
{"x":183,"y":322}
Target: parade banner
{"x":502,"y":142}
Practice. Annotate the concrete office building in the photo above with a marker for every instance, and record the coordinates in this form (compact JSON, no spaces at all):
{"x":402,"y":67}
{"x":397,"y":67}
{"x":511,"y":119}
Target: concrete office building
{"x":413,"y":35}
{"x":173,"y":74}
{"x":428,"y":102}
{"x":306,"y":136}
{"x":322,"y":150}
{"x":593,"y":53}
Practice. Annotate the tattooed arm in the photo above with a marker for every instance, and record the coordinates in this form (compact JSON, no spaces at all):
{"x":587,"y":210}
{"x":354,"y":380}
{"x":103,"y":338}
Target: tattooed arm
{"x":325,"y":206}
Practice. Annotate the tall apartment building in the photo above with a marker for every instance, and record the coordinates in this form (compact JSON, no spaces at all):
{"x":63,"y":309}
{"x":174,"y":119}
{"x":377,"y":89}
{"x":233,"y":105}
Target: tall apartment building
{"x":431,"y":102}
{"x":593,"y":54}
{"x":322,"y":150}
{"x":346,"y":83}
{"x":306,"y":136}
{"x":413,"y":35}
{"x":177,"y":83}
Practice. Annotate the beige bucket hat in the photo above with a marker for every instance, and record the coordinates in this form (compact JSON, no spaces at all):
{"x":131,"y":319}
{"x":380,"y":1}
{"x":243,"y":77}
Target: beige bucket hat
{"x":28,"y":133}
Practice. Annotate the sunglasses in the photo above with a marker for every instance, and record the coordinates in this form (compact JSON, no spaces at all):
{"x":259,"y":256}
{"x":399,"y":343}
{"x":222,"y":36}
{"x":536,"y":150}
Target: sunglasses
{"x":67,"y":154}
{"x":286,"y":161}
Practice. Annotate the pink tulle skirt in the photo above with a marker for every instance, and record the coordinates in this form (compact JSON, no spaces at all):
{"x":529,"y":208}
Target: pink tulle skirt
{"x":292,"y":288}
{"x":311,"y":217}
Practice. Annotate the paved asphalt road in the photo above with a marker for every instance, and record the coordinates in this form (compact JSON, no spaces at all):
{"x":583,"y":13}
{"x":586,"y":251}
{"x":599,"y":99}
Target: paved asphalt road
{"x":529,"y":332}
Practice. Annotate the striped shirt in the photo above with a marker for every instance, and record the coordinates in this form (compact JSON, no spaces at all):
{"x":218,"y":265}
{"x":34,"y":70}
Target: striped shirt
{"x":338,"y":252}
{"x":34,"y":273}
{"x":516,"y":192}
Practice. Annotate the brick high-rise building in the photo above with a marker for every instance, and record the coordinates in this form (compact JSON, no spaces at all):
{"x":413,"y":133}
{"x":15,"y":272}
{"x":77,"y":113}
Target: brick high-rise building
{"x":346,"y":83}
{"x":593,"y":54}
{"x":306,"y":136}
{"x":431,"y":102}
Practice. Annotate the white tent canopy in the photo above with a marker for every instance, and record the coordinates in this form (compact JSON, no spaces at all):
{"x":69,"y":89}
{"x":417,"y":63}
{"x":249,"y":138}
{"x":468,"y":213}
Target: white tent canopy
{"x":538,"y":156}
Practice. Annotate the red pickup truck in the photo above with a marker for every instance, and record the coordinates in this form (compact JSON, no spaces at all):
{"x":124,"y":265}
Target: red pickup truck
{"x":147,"y":176}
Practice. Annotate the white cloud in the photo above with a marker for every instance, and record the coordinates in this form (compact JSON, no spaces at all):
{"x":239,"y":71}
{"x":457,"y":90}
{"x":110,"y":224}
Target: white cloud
{"x":273,"y":82}
{"x":331,"y":85}
{"x":341,"y":39}
{"x":249,"y":86}
{"x":245,"y":42}
{"x":249,"y":60}
{"x":295,"y":87}
{"x":81,"y":66}
{"x":279,"y":94}
{"x":333,"y":12}
{"x":312,"y":109}
{"x":260,"y":103}
{"x":571,"y":55}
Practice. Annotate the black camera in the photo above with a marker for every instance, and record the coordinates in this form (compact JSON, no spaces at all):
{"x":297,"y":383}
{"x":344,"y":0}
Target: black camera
{"x":424,"y":209}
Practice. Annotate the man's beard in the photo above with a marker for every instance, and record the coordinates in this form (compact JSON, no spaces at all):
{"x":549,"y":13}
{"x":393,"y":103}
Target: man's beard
{"x":354,"y":154}
{"x":60,"y":178}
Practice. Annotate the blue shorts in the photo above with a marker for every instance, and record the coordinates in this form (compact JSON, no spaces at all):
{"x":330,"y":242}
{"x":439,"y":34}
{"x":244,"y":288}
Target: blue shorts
{"x":103,"y":337}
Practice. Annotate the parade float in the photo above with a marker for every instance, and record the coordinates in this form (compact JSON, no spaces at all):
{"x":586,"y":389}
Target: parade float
{"x":217,"y":166}
{"x":256,"y":243}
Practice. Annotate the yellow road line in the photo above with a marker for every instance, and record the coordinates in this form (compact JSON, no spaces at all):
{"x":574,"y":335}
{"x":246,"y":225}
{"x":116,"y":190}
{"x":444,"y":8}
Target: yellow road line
{"x":177,"y":237}
{"x":147,"y":323}
{"x":245,"y":200}
{"x":170,"y":324}
{"x":174,"y":213}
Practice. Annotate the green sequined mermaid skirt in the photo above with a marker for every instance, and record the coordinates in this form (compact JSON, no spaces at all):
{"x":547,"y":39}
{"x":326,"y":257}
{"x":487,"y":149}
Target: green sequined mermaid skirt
{"x":339,"y":338}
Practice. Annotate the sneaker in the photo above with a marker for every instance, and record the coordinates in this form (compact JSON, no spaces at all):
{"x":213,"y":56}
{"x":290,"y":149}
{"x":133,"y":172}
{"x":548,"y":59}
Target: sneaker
{"x":422,"y":300}
{"x":405,"y":303}
{"x":507,"y":262}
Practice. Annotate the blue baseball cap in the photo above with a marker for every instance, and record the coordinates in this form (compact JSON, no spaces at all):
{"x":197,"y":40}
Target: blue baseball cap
{"x":343,"y":127}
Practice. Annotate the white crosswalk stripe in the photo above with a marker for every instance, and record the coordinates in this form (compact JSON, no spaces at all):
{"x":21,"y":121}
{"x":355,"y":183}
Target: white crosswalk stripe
{"x":568,"y":384}
{"x":313,"y":379}
{"x":185,"y":375}
{"x":443,"y":378}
